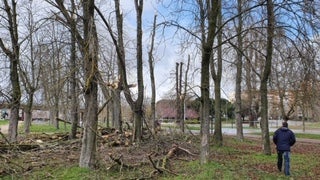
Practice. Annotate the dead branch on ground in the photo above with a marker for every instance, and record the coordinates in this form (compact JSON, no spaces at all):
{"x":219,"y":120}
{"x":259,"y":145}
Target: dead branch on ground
{"x":120,"y":162}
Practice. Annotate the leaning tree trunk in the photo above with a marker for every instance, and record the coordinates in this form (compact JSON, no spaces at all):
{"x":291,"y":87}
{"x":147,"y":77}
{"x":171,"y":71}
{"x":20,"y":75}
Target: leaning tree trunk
{"x":90,"y":49}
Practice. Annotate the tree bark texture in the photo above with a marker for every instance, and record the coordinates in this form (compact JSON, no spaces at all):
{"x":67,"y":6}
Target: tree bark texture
{"x":239,"y":63}
{"x":208,"y":15}
{"x":216,"y":73}
{"x":264,"y":80}
{"x":90,"y":58}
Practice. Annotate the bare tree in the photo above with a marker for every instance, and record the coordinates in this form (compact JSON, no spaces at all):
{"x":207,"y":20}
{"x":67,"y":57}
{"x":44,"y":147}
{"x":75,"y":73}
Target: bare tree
{"x":13,"y":54}
{"x":88,"y":45}
{"x":73,"y":76}
{"x":264,"y":79}
{"x":208,"y":15}
{"x":53,"y":71}
{"x":152,"y":79}
{"x":90,"y":59}
{"x":238,"y":107}
{"x":31,"y":62}
{"x":216,"y":73}
{"x":184,"y":94}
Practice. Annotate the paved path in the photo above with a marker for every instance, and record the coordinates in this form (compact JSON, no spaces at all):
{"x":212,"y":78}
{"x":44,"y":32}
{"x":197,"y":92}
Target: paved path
{"x":230,"y":129}
{"x":4,"y":128}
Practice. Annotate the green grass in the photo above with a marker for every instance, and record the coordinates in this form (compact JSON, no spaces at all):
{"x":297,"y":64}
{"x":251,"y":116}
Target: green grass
{"x":307,"y":136}
{"x":4,"y":122}
{"x":74,"y":173}
{"x":313,"y":125}
{"x":240,"y":168}
{"x":47,"y":128}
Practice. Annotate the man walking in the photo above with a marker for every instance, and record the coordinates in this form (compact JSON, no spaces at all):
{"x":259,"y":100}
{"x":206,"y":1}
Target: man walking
{"x":284,"y":138}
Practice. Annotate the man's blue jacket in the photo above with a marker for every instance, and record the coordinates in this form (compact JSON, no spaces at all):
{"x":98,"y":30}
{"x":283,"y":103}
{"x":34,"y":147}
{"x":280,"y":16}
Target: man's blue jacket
{"x":284,"y":138}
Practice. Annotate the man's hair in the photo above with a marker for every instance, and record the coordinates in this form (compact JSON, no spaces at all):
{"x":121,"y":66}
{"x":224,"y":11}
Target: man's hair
{"x":284,"y":124}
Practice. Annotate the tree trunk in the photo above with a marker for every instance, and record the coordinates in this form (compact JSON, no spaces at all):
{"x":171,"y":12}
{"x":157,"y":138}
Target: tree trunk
{"x":139,"y":102}
{"x":13,"y":55}
{"x":178,"y":92}
{"x":56,"y":111}
{"x":264,"y":80}
{"x":90,"y":50}
{"x":116,"y":113}
{"x":204,"y":111}
{"x":238,"y":108}
{"x":28,"y":114}
{"x":181,"y":97}
{"x":184,"y":95}
{"x":216,"y":73}
{"x":208,"y":15}
{"x":152,"y":79}
{"x":73,"y":79}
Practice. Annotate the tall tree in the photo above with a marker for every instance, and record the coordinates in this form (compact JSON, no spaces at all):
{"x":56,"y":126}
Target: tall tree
{"x":13,"y":53}
{"x":30,"y":68}
{"x":216,"y":73}
{"x":265,"y":77}
{"x":135,"y":105}
{"x":184,"y":94}
{"x":88,"y":45}
{"x":90,"y":62}
{"x":239,"y":73}
{"x":208,"y":13}
{"x":73,"y":76}
{"x":152,"y":79}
